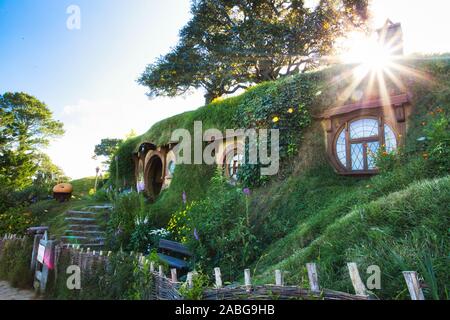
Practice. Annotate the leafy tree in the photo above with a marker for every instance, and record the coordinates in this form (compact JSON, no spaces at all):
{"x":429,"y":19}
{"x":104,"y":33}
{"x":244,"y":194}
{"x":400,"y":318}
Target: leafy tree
{"x":26,"y":125}
{"x":231,"y":44}
{"x":107,"y":147}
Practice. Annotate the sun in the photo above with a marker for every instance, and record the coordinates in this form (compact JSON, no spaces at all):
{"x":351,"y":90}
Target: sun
{"x":374,"y":57}
{"x":366,"y":52}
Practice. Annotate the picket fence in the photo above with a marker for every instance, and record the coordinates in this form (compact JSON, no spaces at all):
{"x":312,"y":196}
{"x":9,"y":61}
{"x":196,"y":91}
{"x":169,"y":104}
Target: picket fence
{"x":168,"y":287}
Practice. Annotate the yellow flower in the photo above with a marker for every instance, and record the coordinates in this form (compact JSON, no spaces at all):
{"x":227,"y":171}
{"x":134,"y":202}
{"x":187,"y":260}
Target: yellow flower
{"x":290,"y":110}
{"x":275,"y":119}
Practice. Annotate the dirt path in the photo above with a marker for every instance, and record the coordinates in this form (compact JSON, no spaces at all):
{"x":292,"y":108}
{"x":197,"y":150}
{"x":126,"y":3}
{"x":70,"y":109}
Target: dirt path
{"x":9,"y":293}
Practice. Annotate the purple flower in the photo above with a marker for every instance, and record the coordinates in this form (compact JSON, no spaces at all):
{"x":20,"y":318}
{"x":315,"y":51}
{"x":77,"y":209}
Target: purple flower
{"x":140,"y":186}
{"x":184,"y":197}
{"x":196,"y":235}
{"x":246,"y":191}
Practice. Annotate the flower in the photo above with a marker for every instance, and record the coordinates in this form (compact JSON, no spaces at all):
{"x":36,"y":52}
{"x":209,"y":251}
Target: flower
{"x":196,"y":235}
{"x":275,"y":119}
{"x":246,"y":191}
{"x":290,"y":110}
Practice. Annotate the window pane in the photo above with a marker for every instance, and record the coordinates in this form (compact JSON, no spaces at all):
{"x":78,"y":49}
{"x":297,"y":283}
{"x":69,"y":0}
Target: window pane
{"x":372,"y":149}
{"x":357,"y":154}
{"x":363,"y":128}
{"x":341,"y":149}
{"x":389,"y":139}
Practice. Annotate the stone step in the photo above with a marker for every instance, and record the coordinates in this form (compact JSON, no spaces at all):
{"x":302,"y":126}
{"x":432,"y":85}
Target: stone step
{"x":104,"y":207}
{"x":81,"y":220}
{"x":82,"y":232}
{"x":80,"y":213}
{"x":77,"y":238}
{"x":83,"y":240}
{"x":81,"y":227}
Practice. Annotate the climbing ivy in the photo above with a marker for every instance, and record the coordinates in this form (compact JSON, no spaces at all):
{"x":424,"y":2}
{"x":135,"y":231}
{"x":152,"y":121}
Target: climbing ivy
{"x":284,"y":105}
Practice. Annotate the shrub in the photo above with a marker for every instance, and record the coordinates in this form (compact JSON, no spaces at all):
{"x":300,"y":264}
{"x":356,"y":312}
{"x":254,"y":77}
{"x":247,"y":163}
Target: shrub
{"x":15,"y":259}
{"x":121,"y":279}
{"x":218,"y":229}
{"x":200,"y":282}
{"x":145,"y":237}
{"x":437,"y":150}
{"x":16,"y":221}
{"x":128,"y":210}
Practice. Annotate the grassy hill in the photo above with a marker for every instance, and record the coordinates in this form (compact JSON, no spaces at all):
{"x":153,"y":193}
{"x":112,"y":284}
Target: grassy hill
{"x":397,"y":220}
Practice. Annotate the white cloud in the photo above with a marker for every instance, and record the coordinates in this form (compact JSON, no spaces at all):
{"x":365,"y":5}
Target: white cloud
{"x":88,"y":121}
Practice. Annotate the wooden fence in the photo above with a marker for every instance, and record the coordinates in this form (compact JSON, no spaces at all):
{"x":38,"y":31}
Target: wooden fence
{"x":168,"y":288}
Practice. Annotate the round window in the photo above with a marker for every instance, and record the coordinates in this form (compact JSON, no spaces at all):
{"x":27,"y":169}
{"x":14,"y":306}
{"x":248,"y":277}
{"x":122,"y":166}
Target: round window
{"x":234,"y":162}
{"x":359,"y":141}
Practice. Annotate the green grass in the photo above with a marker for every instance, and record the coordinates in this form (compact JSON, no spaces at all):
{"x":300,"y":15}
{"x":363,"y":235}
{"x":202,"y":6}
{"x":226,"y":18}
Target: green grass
{"x":405,"y":230}
{"x":82,"y":186}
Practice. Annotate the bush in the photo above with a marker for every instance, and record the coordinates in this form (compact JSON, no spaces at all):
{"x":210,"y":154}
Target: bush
{"x":218,"y":229}
{"x":437,"y":150}
{"x":129,"y":210}
{"x":16,"y":221}
{"x":121,"y":279}
{"x":145,"y":237}
{"x":15,"y":259}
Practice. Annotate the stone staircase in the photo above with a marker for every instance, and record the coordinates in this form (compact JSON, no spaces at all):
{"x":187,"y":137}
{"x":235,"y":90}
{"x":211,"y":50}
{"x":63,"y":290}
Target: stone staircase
{"x":83,"y":227}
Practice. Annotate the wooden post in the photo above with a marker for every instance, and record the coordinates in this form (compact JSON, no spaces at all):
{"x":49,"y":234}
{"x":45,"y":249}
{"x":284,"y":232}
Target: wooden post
{"x":37,"y":238}
{"x":360,"y":288}
{"x":413,"y":283}
{"x":278,"y":278}
{"x":152,"y":266}
{"x":173,"y":273}
{"x":189,"y":279}
{"x":313,"y":277}
{"x":218,"y":277}
{"x":248,"y":279}
{"x":161,"y":271}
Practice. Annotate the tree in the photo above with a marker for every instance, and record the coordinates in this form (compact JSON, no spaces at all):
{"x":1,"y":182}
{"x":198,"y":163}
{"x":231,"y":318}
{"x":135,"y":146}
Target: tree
{"x":107,"y":148}
{"x":232,"y":44}
{"x":26,"y":125}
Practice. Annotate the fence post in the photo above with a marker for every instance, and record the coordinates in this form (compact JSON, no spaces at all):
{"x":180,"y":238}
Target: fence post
{"x":313,"y":277}
{"x":161,"y":271}
{"x":152,"y":266}
{"x":189,"y":279}
{"x":248,"y":279}
{"x":173,"y":273}
{"x":218,"y":277}
{"x":413,"y":283}
{"x":360,"y":288}
{"x":278,"y":278}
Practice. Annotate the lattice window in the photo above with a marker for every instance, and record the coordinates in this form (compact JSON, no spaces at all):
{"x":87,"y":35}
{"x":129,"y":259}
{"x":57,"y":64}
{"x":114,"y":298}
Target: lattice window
{"x":358,"y":143}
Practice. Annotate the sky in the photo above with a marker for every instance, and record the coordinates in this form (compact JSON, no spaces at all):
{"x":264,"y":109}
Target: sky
{"x":87,"y":76}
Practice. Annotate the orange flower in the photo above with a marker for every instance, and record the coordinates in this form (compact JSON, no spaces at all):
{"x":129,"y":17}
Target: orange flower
{"x":425,"y":155}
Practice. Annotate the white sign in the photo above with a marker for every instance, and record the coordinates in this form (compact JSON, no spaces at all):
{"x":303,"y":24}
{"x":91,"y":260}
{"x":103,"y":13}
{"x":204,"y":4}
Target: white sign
{"x":41,"y":252}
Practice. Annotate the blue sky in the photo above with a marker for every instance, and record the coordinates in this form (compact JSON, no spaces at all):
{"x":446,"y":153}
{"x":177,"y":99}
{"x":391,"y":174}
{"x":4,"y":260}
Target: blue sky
{"x":87,"y":76}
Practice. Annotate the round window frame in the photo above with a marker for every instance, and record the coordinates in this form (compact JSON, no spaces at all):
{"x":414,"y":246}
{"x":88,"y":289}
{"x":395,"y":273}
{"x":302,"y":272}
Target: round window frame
{"x":226,"y":165}
{"x":381,"y":140}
